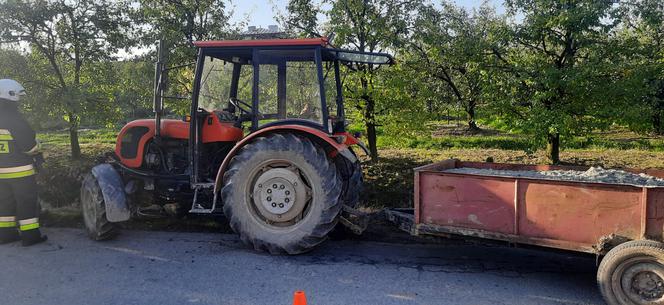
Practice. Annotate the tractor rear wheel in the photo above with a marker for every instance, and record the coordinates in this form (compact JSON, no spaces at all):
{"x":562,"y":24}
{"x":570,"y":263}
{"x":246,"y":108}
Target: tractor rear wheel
{"x":281,"y":194}
{"x":94,"y":211}
{"x":353,"y":182}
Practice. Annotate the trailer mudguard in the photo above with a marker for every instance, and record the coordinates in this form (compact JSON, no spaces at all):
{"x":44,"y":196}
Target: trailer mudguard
{"x":338,"y":148}
{"x":113,"y":191}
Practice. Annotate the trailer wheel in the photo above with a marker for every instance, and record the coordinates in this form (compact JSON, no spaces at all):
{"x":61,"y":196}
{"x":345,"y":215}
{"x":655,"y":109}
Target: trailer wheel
{"x":633,"y":274}
{"x":94,"y":211}
{"x":281,"y":194}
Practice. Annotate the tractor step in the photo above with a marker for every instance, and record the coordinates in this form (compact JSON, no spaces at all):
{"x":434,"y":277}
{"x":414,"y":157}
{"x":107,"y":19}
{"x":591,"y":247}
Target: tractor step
{"x":196,"y":207}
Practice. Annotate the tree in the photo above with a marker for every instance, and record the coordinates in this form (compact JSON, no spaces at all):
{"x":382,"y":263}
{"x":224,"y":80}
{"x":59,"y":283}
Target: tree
{"x":369,"y":26}
{"x":301,"y":18}
{"x":67,"y":36}
{"x":179,"y":23}
{"x":453,"y":47}
{"x":641,"y":38}
{"x":557,"y":73}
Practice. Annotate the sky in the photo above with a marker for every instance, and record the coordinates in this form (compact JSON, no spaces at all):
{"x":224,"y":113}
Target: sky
{"x":260,"y":12}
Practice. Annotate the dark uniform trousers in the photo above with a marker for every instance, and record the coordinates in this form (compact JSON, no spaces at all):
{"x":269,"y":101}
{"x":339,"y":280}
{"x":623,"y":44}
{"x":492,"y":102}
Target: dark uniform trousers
{"x":19,"y":205}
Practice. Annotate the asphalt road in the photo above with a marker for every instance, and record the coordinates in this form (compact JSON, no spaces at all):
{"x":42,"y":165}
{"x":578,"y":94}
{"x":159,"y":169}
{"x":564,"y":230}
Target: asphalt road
{"x":197,"y":268}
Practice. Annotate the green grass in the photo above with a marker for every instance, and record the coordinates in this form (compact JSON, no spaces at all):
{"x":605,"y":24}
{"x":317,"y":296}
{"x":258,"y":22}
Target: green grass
{"x":517,"y":142}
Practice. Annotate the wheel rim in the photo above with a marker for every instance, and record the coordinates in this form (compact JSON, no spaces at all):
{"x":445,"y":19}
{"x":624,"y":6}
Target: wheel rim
{"x":280,"y":193}
{"x":640,"y":280}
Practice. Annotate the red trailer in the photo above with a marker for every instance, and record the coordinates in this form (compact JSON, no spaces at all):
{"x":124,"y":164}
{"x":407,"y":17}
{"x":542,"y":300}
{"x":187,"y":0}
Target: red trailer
{"x":623,"y":223}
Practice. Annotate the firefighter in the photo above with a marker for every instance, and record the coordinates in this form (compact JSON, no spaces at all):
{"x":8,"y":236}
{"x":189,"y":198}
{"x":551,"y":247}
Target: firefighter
{"x":19,"y":208}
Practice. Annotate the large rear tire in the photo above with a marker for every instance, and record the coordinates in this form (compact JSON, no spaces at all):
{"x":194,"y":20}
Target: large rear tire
{"x":353,"y":183}
{"x":633,"y":274}
{"x":94,"y":211}
{"x":281,"y":194}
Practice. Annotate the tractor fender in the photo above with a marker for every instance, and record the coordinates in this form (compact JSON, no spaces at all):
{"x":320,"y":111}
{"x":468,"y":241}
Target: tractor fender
{"x":339,"y":148}
{"x":113,"y":191}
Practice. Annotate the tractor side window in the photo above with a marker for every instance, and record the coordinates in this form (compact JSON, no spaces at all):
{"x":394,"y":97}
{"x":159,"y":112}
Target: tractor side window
{"x":289,"y":87}
{"x":330,"y":88}
{"x":216,"y":84}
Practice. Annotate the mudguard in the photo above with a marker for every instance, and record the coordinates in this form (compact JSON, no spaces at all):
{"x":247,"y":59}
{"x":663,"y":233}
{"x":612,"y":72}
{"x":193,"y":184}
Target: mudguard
{"x":112,"y":188}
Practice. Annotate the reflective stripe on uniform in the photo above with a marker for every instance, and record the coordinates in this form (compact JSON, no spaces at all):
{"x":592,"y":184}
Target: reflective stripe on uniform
{"x":7,"y":221}
{"x":7,"y":218}
{"x":28,"y":224}
{"x":7,"y":224}
{"x":5,"y":135}
{"x":17,"y":172}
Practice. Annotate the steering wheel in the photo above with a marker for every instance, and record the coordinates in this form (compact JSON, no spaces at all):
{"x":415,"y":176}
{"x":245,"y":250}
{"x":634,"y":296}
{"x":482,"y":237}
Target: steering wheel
{"x":239,"y":104}
{"x":244,"y":107}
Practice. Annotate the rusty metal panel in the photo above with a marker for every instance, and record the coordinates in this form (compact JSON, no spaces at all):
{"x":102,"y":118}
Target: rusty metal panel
{"x":466,"y":201}
{"x":560,"y":214}
{"x":579,"y":212}
{"x":655,"y":213}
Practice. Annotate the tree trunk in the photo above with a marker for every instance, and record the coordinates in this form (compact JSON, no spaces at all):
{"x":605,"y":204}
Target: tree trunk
{"x":369,"y":118}
{"x":657,"y":122}
{"x":73,"y":137}
{"x":371,"y":138}
{"x":553,"y":148}
{"x":470,"y":114}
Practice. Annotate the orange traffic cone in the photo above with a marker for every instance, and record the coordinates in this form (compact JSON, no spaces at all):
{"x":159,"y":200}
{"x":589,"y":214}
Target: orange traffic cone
{"x":299,"y":298}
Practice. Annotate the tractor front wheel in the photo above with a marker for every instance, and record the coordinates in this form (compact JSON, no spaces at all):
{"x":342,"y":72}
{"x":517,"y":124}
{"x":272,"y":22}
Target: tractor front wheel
{"x":94,"y":211}
{"x":281,"y":194}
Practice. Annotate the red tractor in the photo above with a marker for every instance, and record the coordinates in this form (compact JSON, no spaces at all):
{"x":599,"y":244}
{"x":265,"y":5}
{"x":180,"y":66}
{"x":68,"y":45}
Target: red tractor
{"x":265,"y":145}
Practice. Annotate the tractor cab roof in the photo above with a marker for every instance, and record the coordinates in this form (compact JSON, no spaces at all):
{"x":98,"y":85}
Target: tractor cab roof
{"x":240,"y":51}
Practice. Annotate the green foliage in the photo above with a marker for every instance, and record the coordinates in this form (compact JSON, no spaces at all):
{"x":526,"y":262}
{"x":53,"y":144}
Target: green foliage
{"x":557,"y":75}
{"x":67,"y":52}
{"x":450,"y":49}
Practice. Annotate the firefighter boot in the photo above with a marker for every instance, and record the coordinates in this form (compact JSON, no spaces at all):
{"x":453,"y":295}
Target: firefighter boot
{"x":8,"y":235}
{"x":8,"y":232}
{"x":32,"y":237}
{"x":30,"y":233}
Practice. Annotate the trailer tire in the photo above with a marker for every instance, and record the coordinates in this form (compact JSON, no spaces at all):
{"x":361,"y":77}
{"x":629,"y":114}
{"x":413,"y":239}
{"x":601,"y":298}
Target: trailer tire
{"x":291,"y":163}
{"x":94,"y":211}
{"x":633,"y":274}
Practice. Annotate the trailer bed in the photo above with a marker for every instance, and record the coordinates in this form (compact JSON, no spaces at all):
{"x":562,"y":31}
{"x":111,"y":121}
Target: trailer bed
{"x":571,"y":215}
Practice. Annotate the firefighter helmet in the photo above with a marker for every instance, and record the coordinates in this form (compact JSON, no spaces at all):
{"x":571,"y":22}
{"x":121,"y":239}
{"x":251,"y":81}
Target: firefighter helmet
{"x":11,"y":90}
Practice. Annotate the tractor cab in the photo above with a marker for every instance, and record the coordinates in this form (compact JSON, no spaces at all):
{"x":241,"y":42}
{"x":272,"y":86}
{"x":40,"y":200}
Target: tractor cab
{"x":265,"y":144}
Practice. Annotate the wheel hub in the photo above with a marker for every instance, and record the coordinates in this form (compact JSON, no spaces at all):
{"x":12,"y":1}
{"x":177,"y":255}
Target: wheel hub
{"x":279,"y":194}
{"x":643,"y":283}
{"x":648,"y":285}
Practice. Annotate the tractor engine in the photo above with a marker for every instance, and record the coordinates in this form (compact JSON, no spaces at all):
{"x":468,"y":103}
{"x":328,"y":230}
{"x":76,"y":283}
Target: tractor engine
{"x":171,"y":157}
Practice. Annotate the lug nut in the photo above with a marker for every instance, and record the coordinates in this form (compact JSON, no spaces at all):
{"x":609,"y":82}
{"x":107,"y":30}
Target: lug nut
{"x":274,"y":204}
{"x":274,"y":186}
{"x":281,"y":205}
{"x":269,"y":191}
{"x":287,"y":200}
{"x":287,"y":193}
{"x":269,"y":198}
{"x":281,"y":186}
